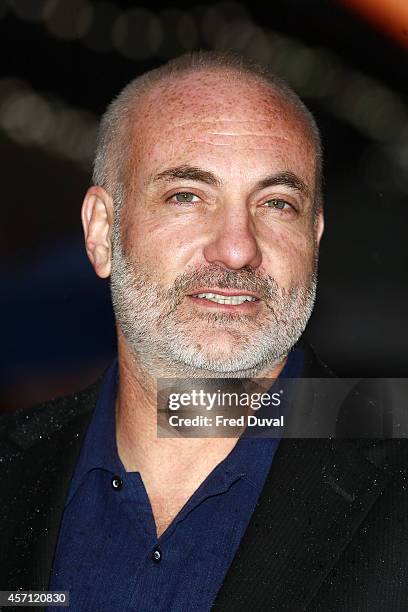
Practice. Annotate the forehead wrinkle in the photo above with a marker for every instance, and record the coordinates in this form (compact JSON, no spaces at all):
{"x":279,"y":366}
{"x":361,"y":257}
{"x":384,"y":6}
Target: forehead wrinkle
{"x":228,"y":144}
{"x":237,"y":101}
{"x":270,"y":136}
{"x":220,"y":120}
{"x":210,"y":136}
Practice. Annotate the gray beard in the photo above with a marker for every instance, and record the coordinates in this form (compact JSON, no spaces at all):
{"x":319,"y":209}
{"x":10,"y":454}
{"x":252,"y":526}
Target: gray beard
{"x":168,"y":340}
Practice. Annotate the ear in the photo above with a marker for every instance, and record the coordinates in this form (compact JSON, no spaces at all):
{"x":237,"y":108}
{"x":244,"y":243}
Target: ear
{"x":97,"y":218}
{"x":319,"y":225}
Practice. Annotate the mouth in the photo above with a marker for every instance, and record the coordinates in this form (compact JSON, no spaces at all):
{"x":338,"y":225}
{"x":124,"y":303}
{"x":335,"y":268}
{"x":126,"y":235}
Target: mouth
{"x":226,"y":299}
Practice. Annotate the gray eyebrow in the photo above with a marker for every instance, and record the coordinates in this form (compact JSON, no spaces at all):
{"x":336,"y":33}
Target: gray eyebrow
{"x":290,"y":179}
{"x":186,"y":172}
{"x":191,"y":173}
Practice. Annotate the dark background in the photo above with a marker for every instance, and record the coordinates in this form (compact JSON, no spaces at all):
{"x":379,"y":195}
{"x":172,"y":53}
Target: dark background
{"x":64,"y":60}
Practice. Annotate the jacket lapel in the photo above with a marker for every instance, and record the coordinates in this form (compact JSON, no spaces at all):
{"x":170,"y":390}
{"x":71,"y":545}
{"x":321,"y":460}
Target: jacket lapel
{"x":39,"y":483}
{"x":316,"y":495}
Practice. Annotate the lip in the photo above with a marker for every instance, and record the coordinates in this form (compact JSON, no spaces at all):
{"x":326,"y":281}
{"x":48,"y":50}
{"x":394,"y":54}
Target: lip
{"x":245,"y":307}
{"x":226,"y":292}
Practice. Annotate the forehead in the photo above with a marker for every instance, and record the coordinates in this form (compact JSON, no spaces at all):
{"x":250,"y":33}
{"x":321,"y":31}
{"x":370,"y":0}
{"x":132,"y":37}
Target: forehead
{"x":211,"y":111}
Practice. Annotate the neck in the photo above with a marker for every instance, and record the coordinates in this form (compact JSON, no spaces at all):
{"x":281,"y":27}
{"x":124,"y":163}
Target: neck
{"x":136,"y":424}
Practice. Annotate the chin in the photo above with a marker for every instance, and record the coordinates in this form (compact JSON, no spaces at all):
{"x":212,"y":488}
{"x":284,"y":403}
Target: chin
{"x":220,"y":344}
{"x":225,"y":359}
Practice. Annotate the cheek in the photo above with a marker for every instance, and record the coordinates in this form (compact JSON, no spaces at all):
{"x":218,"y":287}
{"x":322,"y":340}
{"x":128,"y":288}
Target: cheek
{"x":289,"y":258}
{"x":163,"y":249}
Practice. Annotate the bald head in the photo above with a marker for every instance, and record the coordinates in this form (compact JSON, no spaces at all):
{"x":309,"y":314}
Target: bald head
{"x":204,"y":84}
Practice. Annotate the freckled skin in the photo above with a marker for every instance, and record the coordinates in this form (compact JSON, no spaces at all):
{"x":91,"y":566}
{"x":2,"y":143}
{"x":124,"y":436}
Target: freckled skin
{"x":241,"y":130}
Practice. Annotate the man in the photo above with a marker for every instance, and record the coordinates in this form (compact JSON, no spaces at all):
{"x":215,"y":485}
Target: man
{"x":206,"y":213}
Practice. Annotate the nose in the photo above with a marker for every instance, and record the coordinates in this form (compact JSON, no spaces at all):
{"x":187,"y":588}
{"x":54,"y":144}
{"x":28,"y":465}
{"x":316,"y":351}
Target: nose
{"x":233,"y":243}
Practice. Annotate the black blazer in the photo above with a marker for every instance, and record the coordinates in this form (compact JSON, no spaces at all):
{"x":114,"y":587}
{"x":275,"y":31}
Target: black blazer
{"x":329,"y":533}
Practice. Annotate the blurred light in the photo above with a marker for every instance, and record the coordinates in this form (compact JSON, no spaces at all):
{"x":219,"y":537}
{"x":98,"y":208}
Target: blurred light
{"x":82,"y":149}
{"x":325,"y":77}
{"x":371,"y":108}
{"x":9,"y":85}
{"x":88,"y":141}
{"x":32,"y":10}
{"x":25,"y":117}
{"x":32,"y":119}
{"x":219,"y":17}
{"x":401,"y":154}
{"x":299,"y":71}
{"x":69,"y":20}
{"x":73,"y":127}
{"x":179,"y":31}
{"x":390,"y":16}
{"x":377,"y":110}
{"x":99,"y":36}
{"x":258,"y":47}
{"x":4,"y":7}
{"x":137,"y":33}
{"x":245,"y":38}
{"x":68,"y":133}
{"x":379,"y":170}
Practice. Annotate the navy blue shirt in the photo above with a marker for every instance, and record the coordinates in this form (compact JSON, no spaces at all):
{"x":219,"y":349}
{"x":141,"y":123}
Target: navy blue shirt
{"x":108,"y":555}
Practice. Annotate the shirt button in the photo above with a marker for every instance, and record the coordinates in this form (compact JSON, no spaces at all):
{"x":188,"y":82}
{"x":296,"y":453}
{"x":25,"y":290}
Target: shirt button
{"x":117,"y":483}
{"x":157,"y":555}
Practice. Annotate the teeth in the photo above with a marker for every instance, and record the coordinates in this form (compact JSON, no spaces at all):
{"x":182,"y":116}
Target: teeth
{"x":224,"y":299}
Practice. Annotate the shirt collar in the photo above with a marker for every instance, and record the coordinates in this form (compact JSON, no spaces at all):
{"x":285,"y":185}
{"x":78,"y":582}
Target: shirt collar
{"x":294,"y":364}
{"x":99,"y":449}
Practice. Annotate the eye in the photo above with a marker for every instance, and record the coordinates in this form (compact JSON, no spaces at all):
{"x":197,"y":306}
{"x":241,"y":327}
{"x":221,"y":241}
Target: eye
{"x":184,"y":197}
{"x":278,"y":204}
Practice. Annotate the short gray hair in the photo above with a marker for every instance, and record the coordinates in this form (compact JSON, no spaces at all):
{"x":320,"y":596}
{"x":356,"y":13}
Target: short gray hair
{"x":112,"y":156}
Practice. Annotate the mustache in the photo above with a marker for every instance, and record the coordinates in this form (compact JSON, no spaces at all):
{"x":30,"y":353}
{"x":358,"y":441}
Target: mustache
{"x":264,"y":285}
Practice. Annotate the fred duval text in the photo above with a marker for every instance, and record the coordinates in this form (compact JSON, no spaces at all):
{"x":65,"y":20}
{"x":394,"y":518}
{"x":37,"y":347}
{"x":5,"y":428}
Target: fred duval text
{"x":221,"y":421}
